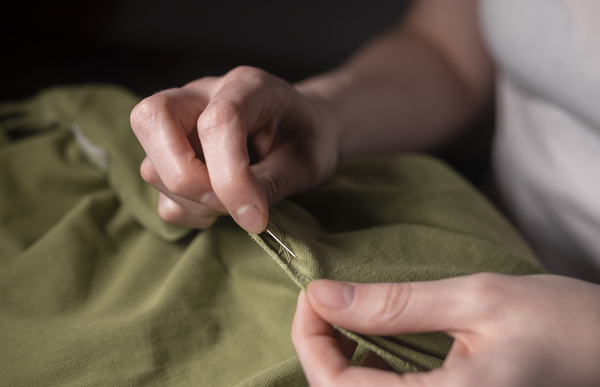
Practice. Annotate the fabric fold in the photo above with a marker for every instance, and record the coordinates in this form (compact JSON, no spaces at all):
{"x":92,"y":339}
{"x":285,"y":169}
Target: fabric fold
{"x":395,"y":219}
{"x":96,"y":290}
{"x":98,"y":116}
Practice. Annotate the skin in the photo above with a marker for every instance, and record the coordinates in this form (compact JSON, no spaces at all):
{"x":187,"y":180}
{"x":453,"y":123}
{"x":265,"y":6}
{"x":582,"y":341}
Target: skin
{"x":199,"y":140}
{"x":413,"y":88}
{"x":508,"y":331}
{"x":239,"y":143}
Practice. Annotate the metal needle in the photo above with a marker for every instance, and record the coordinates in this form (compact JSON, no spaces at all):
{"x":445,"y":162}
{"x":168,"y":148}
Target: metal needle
{"x":280,"y":242}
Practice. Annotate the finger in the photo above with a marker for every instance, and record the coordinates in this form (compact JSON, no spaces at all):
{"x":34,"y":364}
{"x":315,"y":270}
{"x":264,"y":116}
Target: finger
{"x":172,"y":212}
{"x":314,"y":343}
{"x":298,"y":161}
{"x":248,"y":99}
{"x":209,"y":206}
{"x":286,"y":171}
{"x":162,"y":123}
{"x":322,"y":360}
{"x":451,"y":305}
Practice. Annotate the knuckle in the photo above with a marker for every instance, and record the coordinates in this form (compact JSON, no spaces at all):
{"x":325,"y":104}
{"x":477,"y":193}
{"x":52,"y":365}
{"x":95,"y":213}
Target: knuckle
{"x":148,"y":109}
{"x":178,"y":184}
{"x":141,"y":114}
{"x":247,"y":72}
{"x":258,"y":79}
{"x":486,"y":291}
{"x":218,"y":113}
{"x":393,"y":304}
{"x":485,"y":284}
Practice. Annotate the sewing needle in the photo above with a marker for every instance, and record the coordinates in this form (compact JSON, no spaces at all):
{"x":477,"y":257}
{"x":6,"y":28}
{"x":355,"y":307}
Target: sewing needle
{"x":280,"y":242}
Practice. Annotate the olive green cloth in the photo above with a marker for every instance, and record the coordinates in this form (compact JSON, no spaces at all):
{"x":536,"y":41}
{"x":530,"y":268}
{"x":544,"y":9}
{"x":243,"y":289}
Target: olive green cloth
{"x":95,"y":290}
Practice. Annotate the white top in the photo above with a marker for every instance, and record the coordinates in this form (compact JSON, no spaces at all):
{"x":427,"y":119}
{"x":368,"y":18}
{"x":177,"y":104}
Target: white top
{"x":546,"y":153}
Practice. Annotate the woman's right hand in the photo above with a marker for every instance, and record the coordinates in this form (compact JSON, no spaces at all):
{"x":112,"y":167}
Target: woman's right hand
{"x":234,"y":144}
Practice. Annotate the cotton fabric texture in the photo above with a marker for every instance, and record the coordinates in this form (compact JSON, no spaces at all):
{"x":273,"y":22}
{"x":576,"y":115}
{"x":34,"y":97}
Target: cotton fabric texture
{"x":96,"y":290}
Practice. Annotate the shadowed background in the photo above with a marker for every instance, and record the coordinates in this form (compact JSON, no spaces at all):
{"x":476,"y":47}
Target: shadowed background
{"x":151,"y":45}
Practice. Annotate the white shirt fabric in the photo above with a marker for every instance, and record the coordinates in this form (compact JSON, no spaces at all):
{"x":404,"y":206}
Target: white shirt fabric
{"x":546,"y":153}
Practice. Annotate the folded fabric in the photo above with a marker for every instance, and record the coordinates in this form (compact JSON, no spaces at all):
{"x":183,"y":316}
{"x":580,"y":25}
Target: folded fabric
{"x":96,"y":290}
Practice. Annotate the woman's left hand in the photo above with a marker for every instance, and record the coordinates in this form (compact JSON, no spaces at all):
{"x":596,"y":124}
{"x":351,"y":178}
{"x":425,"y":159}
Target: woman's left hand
{"x":541,"y":330}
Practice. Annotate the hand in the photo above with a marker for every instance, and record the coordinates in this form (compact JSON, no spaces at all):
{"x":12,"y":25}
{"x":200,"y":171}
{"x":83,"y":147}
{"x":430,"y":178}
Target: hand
{"x":541,"y":330}
{"x":233,"y":144}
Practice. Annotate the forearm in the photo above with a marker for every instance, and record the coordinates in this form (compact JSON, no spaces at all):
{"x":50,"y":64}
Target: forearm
{"x":401,"y":92}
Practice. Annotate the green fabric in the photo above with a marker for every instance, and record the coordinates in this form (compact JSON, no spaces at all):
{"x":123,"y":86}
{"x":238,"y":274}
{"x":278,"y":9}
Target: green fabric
{"x":95,"y":290}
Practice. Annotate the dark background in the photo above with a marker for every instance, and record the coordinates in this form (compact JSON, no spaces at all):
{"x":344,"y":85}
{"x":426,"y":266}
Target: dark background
{"x":151,"y":45}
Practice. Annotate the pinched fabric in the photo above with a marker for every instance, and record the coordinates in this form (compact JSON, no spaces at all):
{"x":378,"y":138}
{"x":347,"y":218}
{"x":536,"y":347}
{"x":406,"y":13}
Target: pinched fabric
{"x":96,"y":290}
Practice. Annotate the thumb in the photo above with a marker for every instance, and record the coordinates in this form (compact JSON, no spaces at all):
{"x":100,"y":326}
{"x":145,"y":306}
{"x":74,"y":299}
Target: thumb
{"x":397,"y":308}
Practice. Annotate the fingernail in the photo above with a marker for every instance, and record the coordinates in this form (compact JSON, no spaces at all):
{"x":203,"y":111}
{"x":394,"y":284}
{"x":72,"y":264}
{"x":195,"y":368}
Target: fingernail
{"x":332,"y":294}
{"x":252,"y":219}
{"x":211,"y":200}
